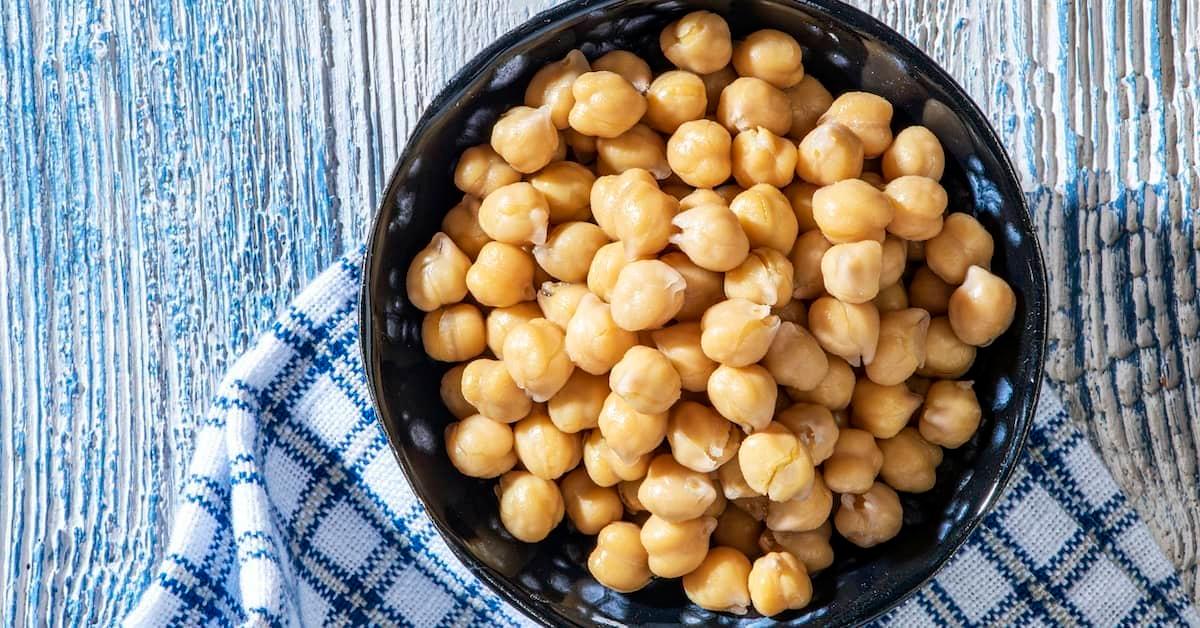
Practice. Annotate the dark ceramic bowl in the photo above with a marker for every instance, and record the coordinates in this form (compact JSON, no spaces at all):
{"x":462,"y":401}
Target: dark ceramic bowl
{"x":845,"y":49}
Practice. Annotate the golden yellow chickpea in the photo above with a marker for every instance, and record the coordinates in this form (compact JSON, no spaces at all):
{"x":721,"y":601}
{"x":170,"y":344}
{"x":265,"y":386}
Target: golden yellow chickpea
{"x":870,"y":518}
{"x":702,"y":288}
{"x":454,"y":333}
{"x":806,"y":511}
{"x":673,"y":98}
{"x":481,"y":170}
{"x":536,"y":357}
{"x":828,"y":154}
{"x":488,"y":387}
{"x":502,"y":275}
{"x":719,"y":504}
{"x":461,"y":224}
{"x":848,"y":330}
{"x":437,"y":275}
{"x":711,"y":236}
{"x":914,"y":151}
{"x":515,"y":214}
{"x":738,"y":530}
{"x":606,"y":105}
{"x":765,"y":277}
{"x":551,"y":86}
{"x":882,"y":410}
{"x":874,"y":179}
{"x":814,"y":426}
{"x":698,"y":42}
{"x":607,"y":264}
{"x":919,"y":385}
{"x":628,"y":493}
{"x":502,"y":320}
{"x":891,"y":298}
{"x":770,"y":55}
{"x":749,"y":102}
{"x":568,"y":251}
{"x":745,"y":395}
{"x":646,"y":380}
{"x":733,"y":483}
{"x":737,"y":332}
{"x":480,"y":447}
{"x":909,"y":461}
{"x":630,"y":434}
{"x":868,"y":115}
{"x":589,"y":507}
{"x":558,"y":300}
{"x":919,"y":204}
{"x":680,"y":343}
{"x":576,"y":406}
{"x":982,"y":308}
{"x":676,"y":548}
{"x":946,"y":356}
{"x":775,"y":463}
{"x":619,"y":561}
{"x":678,"y":191}
{"x":851,"y":271}
{"x":700,"y":152}
{"x":583,"y":147}
{"x":530,"y":507}
{"x":642,"y":220}
{"x":701,"y":439}
{"x":811,"y":548}
{"x":795,"y":358}
{"x":526,"y":138}
{"x":835,"y":389}
{"x":720,"y":583}
{"x":793,"y":312}
{"x":901,"y":346}
{"x":639,"y":147}
{"x":962,"y":243}
{"x":850,"y":211}
{"x":714,"y":84}
{"x":567,"y":188}
{"x":647,"y":294}
{"x":893,"y":260}
{"x":800,"y":194}
{"x":951,"y":415}
{"x":627,"y":64}
{"x":809,"y":100}
{"x":701,"y":196}
{"x":759,"y":156}
{"x":854,"y":464}
{"x":674,"y":492}
{"x":728,"y":192}
{"x":928,"y":292}
{"x":593,"y":341}
{"x":543,"y":449}
{"x":806,"y":256}
{"x":605,"y":467}
{"x":766,"y":217}
{"x":451,"y":393}
{"x":778,"y":582}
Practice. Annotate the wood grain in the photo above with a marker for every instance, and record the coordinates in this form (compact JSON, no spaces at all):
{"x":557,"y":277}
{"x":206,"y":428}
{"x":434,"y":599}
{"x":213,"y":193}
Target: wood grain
{"x":172,"y":173}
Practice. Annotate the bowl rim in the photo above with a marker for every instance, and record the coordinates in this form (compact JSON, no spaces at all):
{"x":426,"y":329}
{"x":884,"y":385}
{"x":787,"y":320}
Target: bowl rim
{"x":853,"y":18}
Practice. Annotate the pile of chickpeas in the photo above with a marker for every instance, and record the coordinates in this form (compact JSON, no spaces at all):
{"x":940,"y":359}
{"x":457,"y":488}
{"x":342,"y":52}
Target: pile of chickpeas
{"x":739,"y":301}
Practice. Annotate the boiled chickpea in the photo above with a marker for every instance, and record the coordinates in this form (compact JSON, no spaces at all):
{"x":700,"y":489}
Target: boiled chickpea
{"x":873,"y":178}
{"x":606,"y":105}
{"x":745,"y":395}
{"x":451,"y":393}
{"x":851,"y":271}
{"x":642,"y":220}
{"x":909,"y":461}
{"x":558,"y":300}
{"x":765,"y":277}
{"x":629,"y":433}
{"x":891,"y":298}
{"x":800,"y":194}
{"x":576,"y":406}
{"x":454,"y":333}
{"x":630,"y":66}
{"x":946,"y":356}
{"x":806,"y":511}
{"x":551,"y":86}
{"x":962,"y":243}
{"x":928,"y":292}
{"x":793,"y":312}
{"x":882,"y":410}
{"x":775,"y":463}
{"x":806,"y":256}
{"x":919,"y":204}
{"x":919,"y":385}
{"x":680,"y":344}
{"x":733,"y":483}
{"x":583,"y":147}
{"x":728,"y":192}
{"x":700,"y":197}
{"x":536,"y":357}
{"x":868,"y":115}
{"x":714,"y":84}
{"x":814,"y":426}
{"x":738,"y":530}
{"x":893,"y":260}
{"x":759,"y":156}
{"x":711,"y":237}
{"x":593,"y":341}
{"x":915,"y":151}
{"x":766,"y":217}
{"x":526,"y":138}
{"x":647,"y":294}
{"x":619,"y":561}
{"x":702,"y":288}
{"x":795,"y":358}
{"x":770,"y":55}
{"x":809,"y":100}
{"x":502,"y":320}
{"x":589,"y":507}
{"x":515,"y":214}
{"x":848,"y":330}
{"x":568,"y":252}
{"x":870,"y":518}
{"x":461,"y":223}
{"x":778,"y":582}
{"x":982,"y":308}
{"x":749,"y":102}
{"x":530,"y":507}
{"x":605,"y":467}
{"x":701,"y":439}
{"x":719,"y":504}
{"x":487,"y":385}
{"x":901,"y":346}
{"x":674,"y":98}
{"x":502,"y":275}
{"x":437,"y":275}
{"x":543,"y":449}
{"x":567,"y":188}
{"x":480,"y":447}
{"x":646,"y":380}
{"x":676,"y":547}
{"x":854,"y":464}
{"x":700,"y":152}
{"x":698,"y":42}
{"x":481,"y":170}
{"x":851,"y":210}
{"x":674,"y":492}
{"x":606,"y":267}
{"x":951,"y":415}
{"x":720,"y":582}
{"x":639,"y":147}
{"x":828,"y":154}
{"x":835,"y":389}
{"x":737,"y":332}
{"x":811,"y":548}
{"x":628,"y":493}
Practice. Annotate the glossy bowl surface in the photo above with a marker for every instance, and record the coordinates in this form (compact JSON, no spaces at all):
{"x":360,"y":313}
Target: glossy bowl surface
{"x":845,"y":49}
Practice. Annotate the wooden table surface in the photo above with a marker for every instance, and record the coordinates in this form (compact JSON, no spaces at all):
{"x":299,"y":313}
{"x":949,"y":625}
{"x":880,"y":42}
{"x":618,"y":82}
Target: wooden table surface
{"x":172,"y":173}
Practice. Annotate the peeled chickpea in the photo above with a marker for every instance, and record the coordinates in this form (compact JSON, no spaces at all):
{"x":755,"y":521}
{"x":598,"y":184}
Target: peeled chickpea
{"x":437,"y":275}
{"x":481,"y":170}
{"x":800,"y":194}
{"x":605,"y":467}
{"x":766,"y":217}
{"x":737,"y":332}
{"x":461,"y":223}
{"x":951,"y":415}
{"x":882,"y":410}
{"x":568,"y":252}
{"x":962,"y":243}
{"x":543,"y":449}
{"x":738,"y":530}
{"x":854,"y":464}
{"x":806,"y":256}
{"x":811,"y":548}
{"x":619,"y":561}
{"x":814,"y":426}
{"x":629,"y":433}
{"x":702,"y":288}
{"x":851,"y":271}
{"x":720,"y":582}
{"x":711,"y":236}
{"x":502,"y":275}
{"x":928,"y":292}
{"x":795,"y":358}
{"x":946,"y":356}
{"x":567,"y":188}
{"x":809,"y":100}
{"x":647,"y":294}
{"x":676,"y":547}
{"x":480,"y":447}
{"x":680,"y":343}
{"x":779,"y":582}
{"x":749,"y":102}
{"x":900,"y":350}
{"x":851,"y":210}
{"x":487,"y":385}
{"x":530,"y":507}
{"x":593,"y":341}
{"x":700,"y":152}
{"x":770,"y":55}
{"x":868,"y":115}
{"x":639,"y":147}
{"x":848,"y":330}
{"x":675,"y":97}
{"x":982,"y":308}
{"x":870,"y":518}
{"x":891,"y":298}
{"x":835,"y":389}
{"x":535,"y":355}
{"x":759,"y":156}
{"x":701,"y":439}
{"x":909,"y":461}
{"x":699,"y":42}
{"x":526,"y":138}
{"x":551,"y":86}
{"x":606,"y":105}
{"x":765,"y":277}
{"x":828,"y":154}
{"x":919,"y":204}
{"x":502,"y":320}
{"x":630,"y":66}
{"x":915,"y":151}
{"x":454,"y":333}
{"x":606,"y":267}
{"x":646,"y":380}
{"x":775,"y":463}
{"x":745,"y":395}
{"x":451,"y":393}
{"x":589,"y":507}
{"x":674,"y":492}
{"x":558,"y":300}
{"x":576,"y":406}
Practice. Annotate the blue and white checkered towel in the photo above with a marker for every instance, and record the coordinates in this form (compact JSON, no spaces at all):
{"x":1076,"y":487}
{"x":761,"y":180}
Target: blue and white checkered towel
{"x":294,"y":512}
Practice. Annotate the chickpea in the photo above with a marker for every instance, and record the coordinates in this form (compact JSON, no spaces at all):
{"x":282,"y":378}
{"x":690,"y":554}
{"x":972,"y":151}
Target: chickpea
{"x":454,"y":333}
{"x":745,"y":395}
{"x":606,"y":267}
{"x":701,"y":153}
{"x":558,"y":300}
{"x":487,"y":385}
{"x":673,"y":98}
{"x":480,"y":447}
{"x":738,"y":530}
{"x":759,"y":156}
{"x":806,"y":511}
{"x":799,"y":195}
{"x":481,"y":171}
{"x":619,"y":561}
{"x":711,"y":237}
{"x":765,"y":277}
{"x":719,"y":504}
{"x":702,"y":288}
{"x":795,"y":358}
{"x":678,"y":191}
{"x":749,"y":102}
{"x":851,"y":210}
{"x":643,"y":219}
{"x":868,"y":115}
{"x":835,"y":389}
{"x":874,"y":178}
{"x":593,"y":340}
{"x":893,"y":261}
{"x":720,"y":582}
{"x":946,"y":356}
{"x":915,"y":151}
{"x":646,"y":380}
{"x":701,"y":439}
{"x":728,"y":192}
{"x":806,"y":256}
{"x":536,"y":358}
{"x":755,"y":506}
{"x":551,"y":86}
{"x":676,"y":548}
{"x":770,"y":55}
{"x":576,"y":406}
{"x":502,"y":275}
{"x":737,"y":332}
{"x":647,"y":294}
{"x":891,"y":298}
{"x":568,"y":252}
{"x":882,"y":410}
{"x":461,"y":224}
{"x":851,"y":271}
{"x":870,"y":518}
{"x":848,"y":330}
{"x":451,"y":393}
{"x":793,"y":312}
{"x":606,"y":105}
{"x":775,"y":464}
{"x":630,"y":434}
{"x":778,"y":582}
{"x":639,"y":147}
{"x":674,"y":492}
{"x":628,"y":492}
{"x":605,"y":467}
{"x":814,"y":426}
{"x":901,"y":346}
{"x":526,"y":138}
{"x":699,"y":42}
{"x":437,"y":275}
{"x":733,"y":483}
{"x":811,"y":548}
{"x":919,"y":204}
{"x":809,"y":100}
{"x":982,"y":308}
{"x":515,"y":214}
{"x":928,"y":292}
{"x":567,"y":188}
{"x":962,"y":243}
{"x":909,"y":461}
{"x":854,"y":464}
{"x":502,"y":320}
{"x":700,"y":197}
{"x":543,"y":449}
{"x":828,"y":154}
{"x":530,"y":507}
{"x":951,"y":415}
{"x":766,"y":217}
{"x":589,"y":507}
{"x":680,"y":343}
{"x":627,"y":64}
{"x":583,"y":147}
{"x":714,"y":84}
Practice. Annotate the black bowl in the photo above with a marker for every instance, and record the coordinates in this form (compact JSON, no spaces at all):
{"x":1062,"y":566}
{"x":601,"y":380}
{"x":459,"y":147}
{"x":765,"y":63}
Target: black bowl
{"x":845,"y":49}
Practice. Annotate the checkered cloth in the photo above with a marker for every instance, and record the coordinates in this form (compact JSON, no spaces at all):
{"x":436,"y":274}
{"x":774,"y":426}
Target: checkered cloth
{"x":294,"y":512}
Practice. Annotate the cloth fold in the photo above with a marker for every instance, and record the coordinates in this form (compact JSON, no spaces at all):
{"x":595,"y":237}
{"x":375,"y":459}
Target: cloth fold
{"x":294,"y":512}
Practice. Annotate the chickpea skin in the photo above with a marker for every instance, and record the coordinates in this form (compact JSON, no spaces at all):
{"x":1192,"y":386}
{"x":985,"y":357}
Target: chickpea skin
{"x":701,"y":439}
{"x":851,"y":271}
{"x":870,"y":518}
{"x":589,"y":507}
{"x":919,"y":204}
{"x":765,"y":277}
{"x":646,"y":380}
{"x":749,"y":102}
{"x":703,"y":288}
{"x":809,"y":100}
{"x":451,"y":393}
{"x":795,"y":358}
{"x":745,"y":395}
{"x":639,"y":147}
{"x":676,"y":548}
{"x":900,"y":350}
{"x":699,"y":42}
{"x":647,"y":295}
{"x":811,"y":548}
{"x":543,"y":449}
{"x":605,"y":467}
{"x":567,"y":188}
{"x":807,"y":279}
{"x":711,"y":236}
{"x":619,"y":561}
{"x":770,"y":55}
{"x":855,"y":462}
{"x":915,"y":151}
{"x":848,"y":330}
{"x":868,"y":115}
{"x":674,"y":492}
{"x":946,"y":357}
{"x":502,"y":320}
{"x":481,"y":171}
{"x":461,"y":223}
{"x":576,"y":407}
{"x":909,"y":461}
{"x":454,"y":333}
{"x":536,"y":358}
{"x":778,"y":582}
{"x":720,"y":582}
{"x":630,"y":66}
{"x":828,"y":154}
{"x":951,"y":415}
{"x":437,"y":275}
{"x":630,"y":434}
{"x":701,"y":153}
{"x":835,"y":389}
{"x":982,"y":308}
{"x":551,"y":86}
{"x":814,"y":426}
{"x":850,"y":211}
{"x":882,"y":410}
{"x":962,"y":243}
{"x":737,"y":332}
{"x":675,"y":97}
{"x":480,"y":447}
{"x":766,"y":217}
{"x":502,"y":275}
{"x":606,"y":105}
{"x":775,"y":463}
{"x":558,"y":301}
{"x":759,"y":156}
{"x":593,"y":341}
{"x":530,"y":507}
{"x":526,"y":138}
{"x":927,"y":291}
